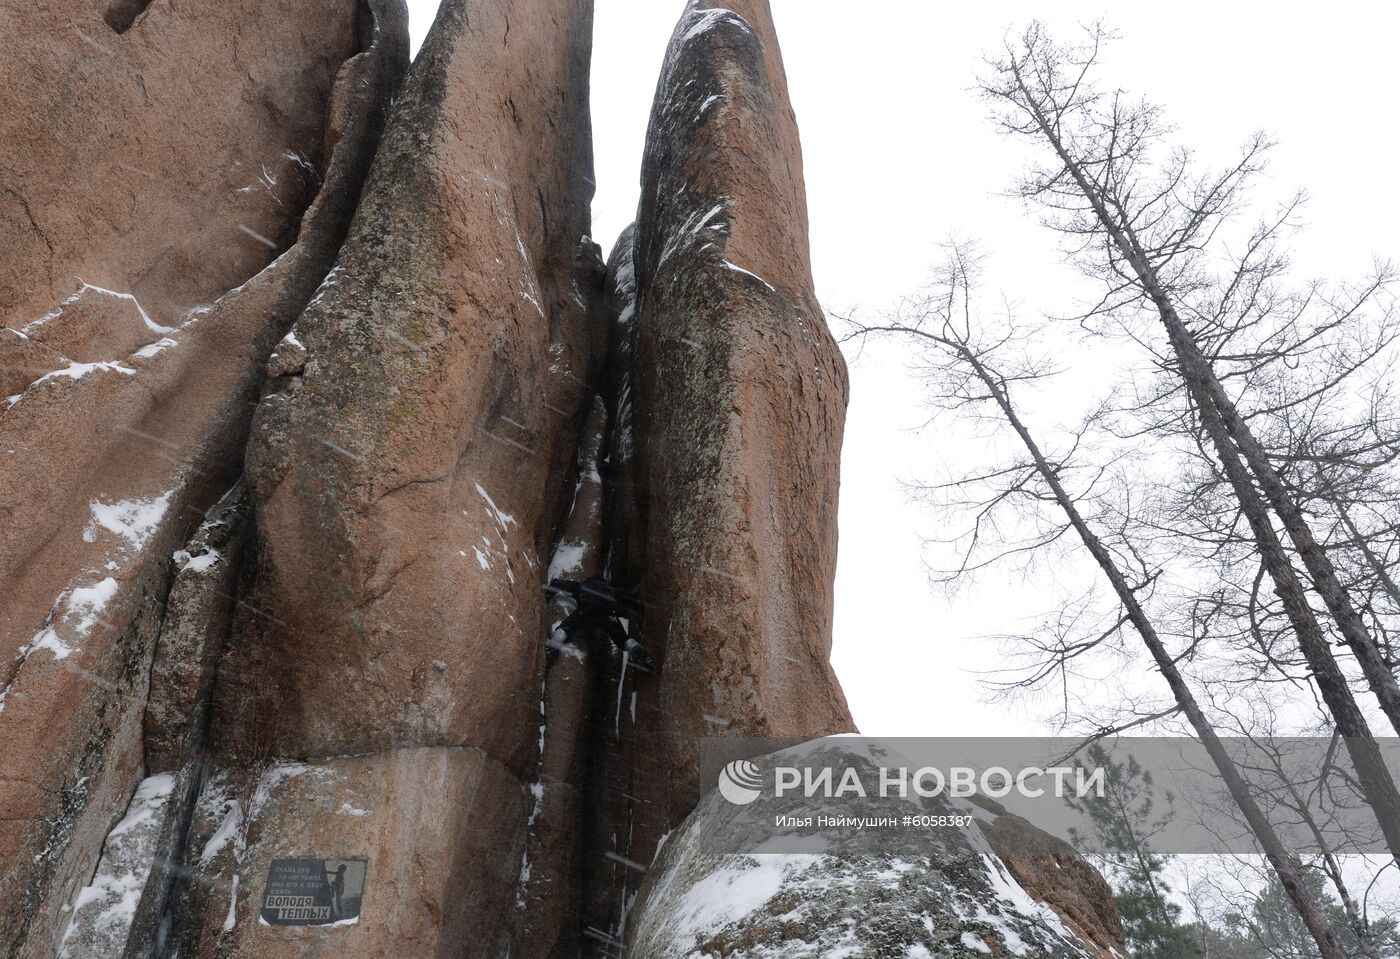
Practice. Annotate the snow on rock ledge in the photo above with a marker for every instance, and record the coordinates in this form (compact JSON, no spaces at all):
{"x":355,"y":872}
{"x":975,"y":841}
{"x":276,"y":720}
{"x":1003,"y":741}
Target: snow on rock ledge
{"x":106,"y":908}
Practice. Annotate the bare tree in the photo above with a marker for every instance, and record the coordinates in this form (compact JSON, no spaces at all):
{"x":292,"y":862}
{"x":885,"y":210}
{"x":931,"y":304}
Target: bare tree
{"x":1313,"y":798}
{"x":1142,"y":229}
{"x":944,"y":327}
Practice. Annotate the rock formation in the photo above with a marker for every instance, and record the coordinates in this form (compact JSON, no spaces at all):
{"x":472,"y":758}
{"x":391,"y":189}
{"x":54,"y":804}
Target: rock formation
{"x":740,"y":400}
{"x":729,"y":397}
{"x":152,"y":174}
{"x":1053,"y":873}
{"x":422,"y":446}
{"x":315,"y":379}
{"x":728,"y":883}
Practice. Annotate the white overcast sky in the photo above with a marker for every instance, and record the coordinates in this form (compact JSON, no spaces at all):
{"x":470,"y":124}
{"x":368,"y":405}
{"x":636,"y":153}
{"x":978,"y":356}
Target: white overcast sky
{"x":899,"y":156}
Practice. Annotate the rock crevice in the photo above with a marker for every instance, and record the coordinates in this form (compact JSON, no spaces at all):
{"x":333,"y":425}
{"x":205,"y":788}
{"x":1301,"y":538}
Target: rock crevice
{"x":286,"y":472}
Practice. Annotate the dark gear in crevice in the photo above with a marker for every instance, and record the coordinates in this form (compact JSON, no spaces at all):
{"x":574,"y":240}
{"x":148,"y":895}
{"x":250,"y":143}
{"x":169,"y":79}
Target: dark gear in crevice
{"x":599,"y":606}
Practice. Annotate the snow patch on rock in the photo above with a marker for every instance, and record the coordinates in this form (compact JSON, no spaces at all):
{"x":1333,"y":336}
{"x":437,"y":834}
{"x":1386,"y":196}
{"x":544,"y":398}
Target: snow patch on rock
{"x":202,"y":563}
{"x":567,"y":560}
{"x":78,"y":610}
{"x":134,"y":519}
{"x":104,"y":910}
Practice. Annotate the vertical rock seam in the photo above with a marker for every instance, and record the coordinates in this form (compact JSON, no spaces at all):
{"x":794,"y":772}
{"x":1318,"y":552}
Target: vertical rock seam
{"x":342,"y":384}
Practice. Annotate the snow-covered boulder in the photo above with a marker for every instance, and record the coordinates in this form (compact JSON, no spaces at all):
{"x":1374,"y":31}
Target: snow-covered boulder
{"x":716,"y":889}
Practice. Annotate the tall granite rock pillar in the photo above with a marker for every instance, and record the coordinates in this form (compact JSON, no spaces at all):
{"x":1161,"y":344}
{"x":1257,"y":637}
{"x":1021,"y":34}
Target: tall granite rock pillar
{"x":173,"y":187}
{"x":729,"y":402}
{"x":741,"y":396}
{"x":410,"y":461}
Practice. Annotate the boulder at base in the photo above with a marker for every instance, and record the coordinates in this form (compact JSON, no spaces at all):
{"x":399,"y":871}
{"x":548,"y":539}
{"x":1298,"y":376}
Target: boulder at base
{"x":717,"y":889}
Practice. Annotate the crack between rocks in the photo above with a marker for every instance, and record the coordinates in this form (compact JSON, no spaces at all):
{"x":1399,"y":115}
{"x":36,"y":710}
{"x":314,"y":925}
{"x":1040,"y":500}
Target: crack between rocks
{"x":29,"y":213}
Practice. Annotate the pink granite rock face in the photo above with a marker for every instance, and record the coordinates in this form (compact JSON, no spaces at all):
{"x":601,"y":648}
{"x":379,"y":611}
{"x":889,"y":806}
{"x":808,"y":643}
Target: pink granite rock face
{"x":306,"y":406}
{"x":729,"y":397}
{"x":422,"y":451}
{"x":741,"y":398}
{"x":140,"y":317}
{"x":420,"y":444}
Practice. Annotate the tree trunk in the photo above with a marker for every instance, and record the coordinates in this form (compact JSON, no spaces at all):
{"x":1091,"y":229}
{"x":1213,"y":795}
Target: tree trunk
{"x":1217,"y":414}
{"x":1284,"y":866}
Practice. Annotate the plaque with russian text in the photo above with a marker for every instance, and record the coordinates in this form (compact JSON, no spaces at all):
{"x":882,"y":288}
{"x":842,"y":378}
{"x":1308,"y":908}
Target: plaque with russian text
{"x":314,"y":892}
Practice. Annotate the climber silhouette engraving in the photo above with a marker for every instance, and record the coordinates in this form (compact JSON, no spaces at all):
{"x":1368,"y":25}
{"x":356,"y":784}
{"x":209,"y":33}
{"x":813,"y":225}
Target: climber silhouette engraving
{"x":337,"y":885}
{"x":598,"y":606}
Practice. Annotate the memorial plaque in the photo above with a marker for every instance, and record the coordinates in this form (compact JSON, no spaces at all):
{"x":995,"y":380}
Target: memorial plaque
{"x":313,"y":892}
